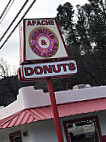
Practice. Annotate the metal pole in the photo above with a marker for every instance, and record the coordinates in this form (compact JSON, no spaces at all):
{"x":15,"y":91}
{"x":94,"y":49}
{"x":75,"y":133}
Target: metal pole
{"x":54,"y":109}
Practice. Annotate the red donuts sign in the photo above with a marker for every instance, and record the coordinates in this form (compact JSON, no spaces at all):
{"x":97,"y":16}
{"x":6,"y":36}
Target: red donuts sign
{"x":50,"y":69}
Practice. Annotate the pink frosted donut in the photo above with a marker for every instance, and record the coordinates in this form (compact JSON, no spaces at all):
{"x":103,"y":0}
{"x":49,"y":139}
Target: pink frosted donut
{"x":43,"y":42}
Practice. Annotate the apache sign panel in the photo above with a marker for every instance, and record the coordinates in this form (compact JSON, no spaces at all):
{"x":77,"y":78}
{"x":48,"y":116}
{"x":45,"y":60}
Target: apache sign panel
{"x":42,"y":40}
{"x":49,"y":69}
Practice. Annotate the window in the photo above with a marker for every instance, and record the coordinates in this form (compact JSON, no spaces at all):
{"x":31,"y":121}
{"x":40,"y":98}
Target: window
{"x":15,"y":137}
{"x":83,"y":130}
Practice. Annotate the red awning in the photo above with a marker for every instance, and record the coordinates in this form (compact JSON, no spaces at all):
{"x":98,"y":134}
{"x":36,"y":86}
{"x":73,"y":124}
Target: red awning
{"x":43,"y":113}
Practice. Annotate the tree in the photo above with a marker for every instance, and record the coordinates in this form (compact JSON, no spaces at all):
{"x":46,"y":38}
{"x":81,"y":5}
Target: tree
{"x":4,"y":68}
{"x":82,"y":28}
{"x":65,"y":18}
{"x":95,"y":13}
{"x":85,"y":39}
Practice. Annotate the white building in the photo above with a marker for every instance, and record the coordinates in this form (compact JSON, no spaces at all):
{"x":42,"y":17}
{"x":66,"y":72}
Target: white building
{"x":82,"y":115}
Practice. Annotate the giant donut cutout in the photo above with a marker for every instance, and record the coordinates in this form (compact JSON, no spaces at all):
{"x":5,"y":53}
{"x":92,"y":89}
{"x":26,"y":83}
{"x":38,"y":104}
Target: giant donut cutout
{"x":43,"y":42}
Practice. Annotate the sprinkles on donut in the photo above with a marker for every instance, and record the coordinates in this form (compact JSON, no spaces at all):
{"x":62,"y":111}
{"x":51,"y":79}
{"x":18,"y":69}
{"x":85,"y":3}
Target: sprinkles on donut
{"x":43,"y":42}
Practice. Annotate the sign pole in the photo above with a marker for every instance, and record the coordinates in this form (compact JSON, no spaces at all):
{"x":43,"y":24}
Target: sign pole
{"x":54,"y":109}
{"x":41,"y":40}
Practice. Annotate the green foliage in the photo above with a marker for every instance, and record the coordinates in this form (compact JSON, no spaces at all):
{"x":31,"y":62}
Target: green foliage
{"x":88,"y":32}
{"x":65,"y":19}
{"x":96,"y":17}
{"x":86,"y":39}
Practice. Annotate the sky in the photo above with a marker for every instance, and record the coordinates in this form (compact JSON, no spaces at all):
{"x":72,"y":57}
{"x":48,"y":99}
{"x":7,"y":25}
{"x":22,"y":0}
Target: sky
{"x":41,"y":9}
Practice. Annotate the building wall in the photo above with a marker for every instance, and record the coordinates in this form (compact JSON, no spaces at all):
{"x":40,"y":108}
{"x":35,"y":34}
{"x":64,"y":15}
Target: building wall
{"x":102,"y":122}
{"x":44,"y":131}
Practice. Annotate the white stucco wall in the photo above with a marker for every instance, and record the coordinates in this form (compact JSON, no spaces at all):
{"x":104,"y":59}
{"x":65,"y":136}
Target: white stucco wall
{"x":28,"y":97}
{"x":44,"y":131}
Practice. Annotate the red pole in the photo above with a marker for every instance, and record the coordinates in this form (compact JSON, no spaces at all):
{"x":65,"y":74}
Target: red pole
{"x":54,"y":109}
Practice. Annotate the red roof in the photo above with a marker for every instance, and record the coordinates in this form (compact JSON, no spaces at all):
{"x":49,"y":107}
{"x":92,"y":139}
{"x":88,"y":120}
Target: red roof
{"x":43,"y":113}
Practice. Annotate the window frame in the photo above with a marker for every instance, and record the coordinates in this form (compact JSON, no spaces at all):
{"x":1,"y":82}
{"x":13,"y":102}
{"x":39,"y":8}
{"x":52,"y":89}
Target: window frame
{"x":12,"y":135}
{"x":82,"y":119}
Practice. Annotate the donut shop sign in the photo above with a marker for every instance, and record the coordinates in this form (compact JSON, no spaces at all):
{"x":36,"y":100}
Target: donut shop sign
{"x":41,"y":41}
